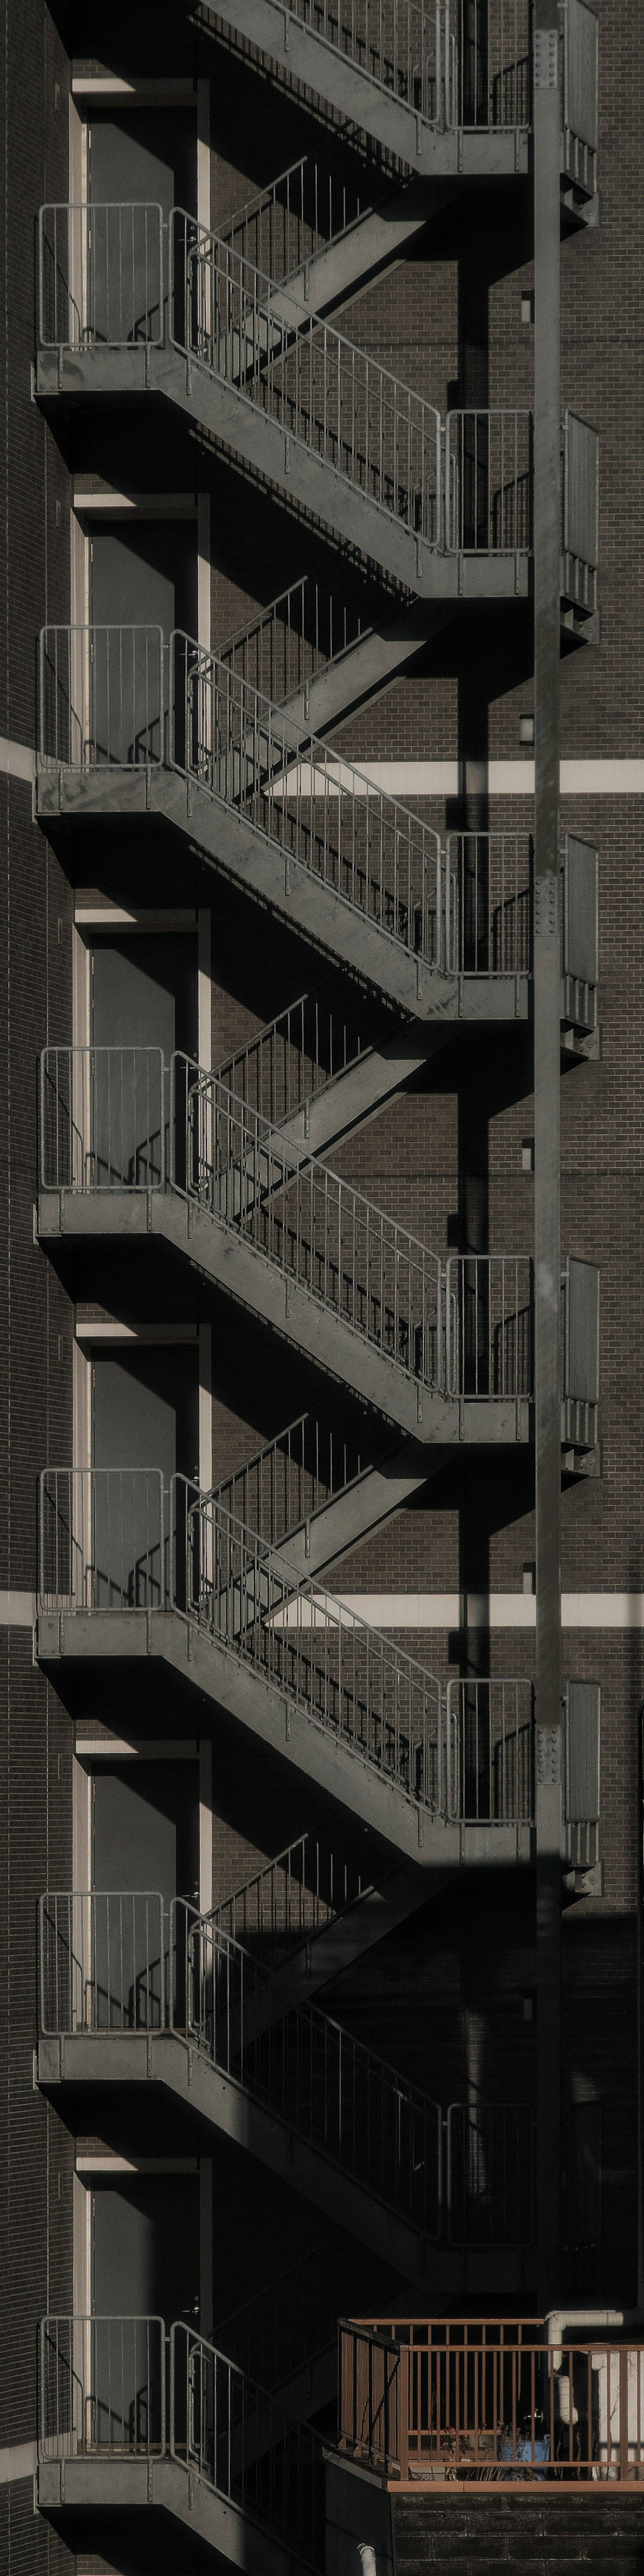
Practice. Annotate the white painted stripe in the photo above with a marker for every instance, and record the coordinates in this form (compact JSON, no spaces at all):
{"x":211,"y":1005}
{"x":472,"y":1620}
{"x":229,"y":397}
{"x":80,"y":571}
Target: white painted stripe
{"x":135,"y":505}
{"x":18,"y":2460}
{"x":427,"y":1610}
{"x":17,"y":1609}
{"x":413,"y":778}
{"x":17,"y":760}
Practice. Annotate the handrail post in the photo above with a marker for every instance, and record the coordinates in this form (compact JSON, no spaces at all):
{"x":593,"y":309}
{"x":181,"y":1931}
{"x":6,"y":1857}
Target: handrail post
{"x":623,"y":2411}
{"x":403,"y":2423}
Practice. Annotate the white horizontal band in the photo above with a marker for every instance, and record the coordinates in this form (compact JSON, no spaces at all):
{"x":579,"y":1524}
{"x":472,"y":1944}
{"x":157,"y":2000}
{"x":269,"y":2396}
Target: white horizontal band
{"x":426,"y":1610}
{"x":405,"y":778}
{"x":17,"y":2460}
{"x":17,"y":760}
{"x":409,"y":1610}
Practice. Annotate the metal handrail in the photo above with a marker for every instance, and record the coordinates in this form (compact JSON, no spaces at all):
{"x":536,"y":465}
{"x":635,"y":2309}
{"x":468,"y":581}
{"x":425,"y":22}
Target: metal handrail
{"x":103,"y":1960}
{"x":105,"y":696}
{"x":301,"y":211}
{"x":290,"y":1478}
{"x":101,"y":276}
{"x":102,"y":2387}
{"x":287,"y":1901}
{"x":403,"y":53}
{"x":308,"y":626}
{"x":103,"y":1538}
{"x":319,"y":1231}
{"x":372,"y":850}
{"x":293,"y":1058}
{"x":102,"y":697}
{"x":237,"y":2439}
{"x":102,"y":1118}
{"x":490,"y":1751}
{"x":341,"y":2097}
{"x":286,"y":2325}
{"x":357,"y":415}
{"x":376,"y":1700}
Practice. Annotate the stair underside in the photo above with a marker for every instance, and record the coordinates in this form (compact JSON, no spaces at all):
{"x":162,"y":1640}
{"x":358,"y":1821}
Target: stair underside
{"x":162,"y":1641}
{"x":336,"y":928}
{"x":339,"y":270}
{"x":101,"y":2485}
{"x":217,"y":2101}
{"x":235,"y":422}
{"x":221,"y":1254}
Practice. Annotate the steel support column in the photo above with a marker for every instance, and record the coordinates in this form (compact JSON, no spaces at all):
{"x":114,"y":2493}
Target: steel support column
{"x":547,"y":544}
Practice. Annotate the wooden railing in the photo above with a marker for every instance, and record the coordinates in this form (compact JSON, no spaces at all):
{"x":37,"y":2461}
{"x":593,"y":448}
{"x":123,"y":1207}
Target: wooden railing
{"x":493,"y":2402}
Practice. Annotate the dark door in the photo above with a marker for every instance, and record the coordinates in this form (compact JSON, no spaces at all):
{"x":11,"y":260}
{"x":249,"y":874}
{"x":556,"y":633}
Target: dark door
{"x":144,"y":1001}
{"x":145,"y":1426}
{"x":145,"y":1853}
{"x":145,"y":2263}
{"x":140,"y":165}
{"x":143,"y":584}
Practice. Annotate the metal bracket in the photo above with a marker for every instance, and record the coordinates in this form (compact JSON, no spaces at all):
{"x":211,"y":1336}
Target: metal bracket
{"x":148,"y":1632}
{"x":189,"y":379}
{"x":287,"y":1722}
{"x":548,"y":1757}
{"x":149,"y":2481}
{"x":287,"y":454}
{"x":546,"y":58}
{"x":546,"y":907}
{"x":147,"y":367}
{"x":148,"y":1211}
{"x":148,"y":2053}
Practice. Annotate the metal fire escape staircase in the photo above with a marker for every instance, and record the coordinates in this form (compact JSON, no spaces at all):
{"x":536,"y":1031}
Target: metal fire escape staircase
{"x":446,"y":91}
{"x":442,"y":507}
{"x":443,"y":931}
{"x":126,"y":2000}
{"x":130,"y":2418}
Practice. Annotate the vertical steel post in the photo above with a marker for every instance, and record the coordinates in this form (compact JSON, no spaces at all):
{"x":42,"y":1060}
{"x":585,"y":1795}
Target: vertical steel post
{"x":547,"y":545}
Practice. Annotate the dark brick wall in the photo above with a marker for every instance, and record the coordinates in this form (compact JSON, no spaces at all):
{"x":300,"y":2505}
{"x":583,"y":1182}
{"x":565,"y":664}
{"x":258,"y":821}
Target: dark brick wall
{"x":481,"y":2534}
{"x":36,"y":1335}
